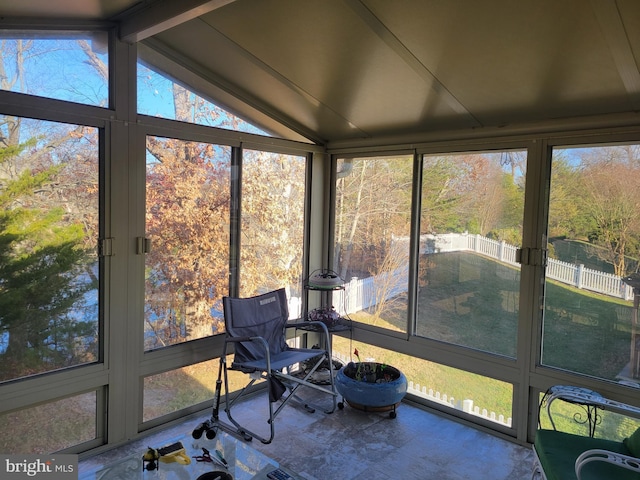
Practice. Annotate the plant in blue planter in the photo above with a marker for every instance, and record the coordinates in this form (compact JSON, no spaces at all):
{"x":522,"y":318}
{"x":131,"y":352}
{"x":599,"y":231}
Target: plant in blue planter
{"x":371,"y":386}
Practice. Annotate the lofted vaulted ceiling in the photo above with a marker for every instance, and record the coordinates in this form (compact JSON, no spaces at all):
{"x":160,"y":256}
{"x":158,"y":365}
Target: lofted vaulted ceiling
{"x":344,"y":70}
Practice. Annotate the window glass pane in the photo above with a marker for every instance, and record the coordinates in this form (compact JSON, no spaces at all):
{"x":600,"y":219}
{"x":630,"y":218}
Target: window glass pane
{"x":470,"y":227}
{"x":187,"y":221}
{"x":49,"y":271}
{"x":72,"y":66}
{"x":480,"y":396}
{"x":175,"y":390}
{"x":590,"y":319}
{"x":273,"y":189}
{"x":50,"y":427}
{"x":373,"y":218}
{"x":160,"y":96}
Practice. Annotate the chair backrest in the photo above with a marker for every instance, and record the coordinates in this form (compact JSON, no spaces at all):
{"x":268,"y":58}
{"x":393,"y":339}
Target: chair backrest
{"x":263,"y":316}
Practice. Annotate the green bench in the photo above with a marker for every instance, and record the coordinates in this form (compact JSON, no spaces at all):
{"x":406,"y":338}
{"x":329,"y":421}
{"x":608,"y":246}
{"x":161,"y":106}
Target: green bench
{"x":566,"y":456}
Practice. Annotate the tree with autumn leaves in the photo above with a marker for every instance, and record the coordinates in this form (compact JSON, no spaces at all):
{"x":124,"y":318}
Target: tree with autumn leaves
{"x":188,"y":221}
{"x":188,"y":216}
{"x":593,"y":200}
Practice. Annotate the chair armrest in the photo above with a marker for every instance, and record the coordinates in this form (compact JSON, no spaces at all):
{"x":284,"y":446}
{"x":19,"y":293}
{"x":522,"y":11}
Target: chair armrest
{"x":260,"y":340}
{"x":597,"y":455}
{"x":589,"y":400}
{"x":240,"y":339}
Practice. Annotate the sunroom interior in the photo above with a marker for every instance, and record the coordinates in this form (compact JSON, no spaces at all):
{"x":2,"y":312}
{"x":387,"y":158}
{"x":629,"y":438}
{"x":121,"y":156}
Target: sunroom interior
{"x":467,"y":170}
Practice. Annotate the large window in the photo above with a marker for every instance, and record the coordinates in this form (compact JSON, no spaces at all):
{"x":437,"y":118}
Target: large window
{"x":470,"y":225}
{"x":594,"y":240}
{"x":187,"y":223}
{"x":471,"y":218}
{"x":49,"y":271}
{"x":51,"y":222}
{"x":373,"y":218}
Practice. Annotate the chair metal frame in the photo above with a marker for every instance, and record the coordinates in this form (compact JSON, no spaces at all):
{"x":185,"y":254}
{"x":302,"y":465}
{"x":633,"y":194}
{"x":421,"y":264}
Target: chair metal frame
{"x":591,"y":403}
{"x":270,"y":359}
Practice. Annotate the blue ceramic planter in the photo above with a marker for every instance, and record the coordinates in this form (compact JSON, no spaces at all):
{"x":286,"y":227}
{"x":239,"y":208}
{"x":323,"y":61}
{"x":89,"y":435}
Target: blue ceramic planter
{"x":371,"y":386}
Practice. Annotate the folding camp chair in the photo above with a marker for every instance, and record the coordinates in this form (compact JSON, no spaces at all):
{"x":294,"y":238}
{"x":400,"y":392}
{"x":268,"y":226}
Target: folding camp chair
{"x":256,"y":327}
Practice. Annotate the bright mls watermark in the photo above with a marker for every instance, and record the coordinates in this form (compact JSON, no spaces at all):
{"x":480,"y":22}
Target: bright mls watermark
{"x":49,"y":467}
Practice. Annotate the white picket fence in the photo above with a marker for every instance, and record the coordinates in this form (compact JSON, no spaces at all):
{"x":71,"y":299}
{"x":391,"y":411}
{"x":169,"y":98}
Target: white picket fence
{"x":465,"y":405}
{"x":575,"y":275}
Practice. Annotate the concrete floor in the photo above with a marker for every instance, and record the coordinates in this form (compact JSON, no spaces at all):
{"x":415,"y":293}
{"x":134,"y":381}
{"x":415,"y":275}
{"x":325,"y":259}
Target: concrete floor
{"x":353,"y":445}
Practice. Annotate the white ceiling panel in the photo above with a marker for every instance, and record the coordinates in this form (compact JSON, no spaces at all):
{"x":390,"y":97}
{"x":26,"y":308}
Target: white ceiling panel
{"x":334,"y":70}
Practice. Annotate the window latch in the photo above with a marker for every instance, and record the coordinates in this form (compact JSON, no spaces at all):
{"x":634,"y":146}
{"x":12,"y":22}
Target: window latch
{"x":105,"y":247}
{"x":531,"y":256}
{"x":143,"y":245}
